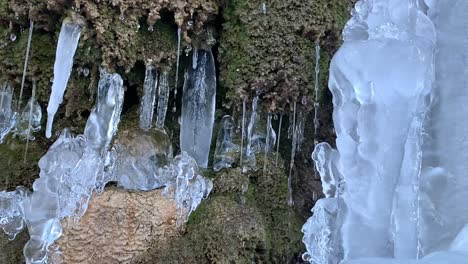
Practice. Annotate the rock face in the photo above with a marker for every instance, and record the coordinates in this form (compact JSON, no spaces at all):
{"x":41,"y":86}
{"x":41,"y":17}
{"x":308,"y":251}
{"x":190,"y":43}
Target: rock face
{"x":118,"y":226}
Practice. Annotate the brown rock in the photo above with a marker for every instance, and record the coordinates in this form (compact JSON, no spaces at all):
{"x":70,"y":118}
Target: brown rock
{"x":118,"y":226}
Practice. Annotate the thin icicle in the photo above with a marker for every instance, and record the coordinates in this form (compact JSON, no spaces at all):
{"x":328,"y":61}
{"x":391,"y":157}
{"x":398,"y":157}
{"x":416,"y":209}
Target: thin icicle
{"x":316,"y":88}
{"x":66,"y":47}
{"x":179,"y":37}
{"x":267,"y":144}
{"x":244,"y":102}
{"x":279,"y":139}
{"x":163,"y":99}
{"x":149,"y":98}
{"x":31,"y":109}
{"x":25,"y":66}
{"x":293,"y":155}
{"x":300,"y":126}
{"x":250,"y":161}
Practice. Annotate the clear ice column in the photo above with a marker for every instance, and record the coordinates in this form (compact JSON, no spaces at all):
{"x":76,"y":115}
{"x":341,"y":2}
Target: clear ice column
{"x":198,"y":107}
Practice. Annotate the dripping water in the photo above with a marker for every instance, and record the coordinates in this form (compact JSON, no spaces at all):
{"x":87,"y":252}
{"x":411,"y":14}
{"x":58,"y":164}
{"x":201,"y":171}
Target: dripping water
{"x":25,"y":66}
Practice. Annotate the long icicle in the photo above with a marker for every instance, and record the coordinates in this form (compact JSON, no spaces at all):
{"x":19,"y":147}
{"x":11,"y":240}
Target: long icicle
{"x":28,"y":134}
{"x":244,"y":102}
{"x":279,"y":138}
{"x":26,"y":60}
{"x":267,"y":144}
{"x":179,"y":36}
{"x":293,"y":155}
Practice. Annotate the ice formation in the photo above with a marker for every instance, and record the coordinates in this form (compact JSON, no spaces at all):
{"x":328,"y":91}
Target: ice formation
{"x":30,"y":119}
{"x":11,"y":211}
{"x":293,"y":133}
{"x":139,"y":160}
{"x":71,"y":169}
{"x":179,"y":39}
{"x":261,"y":137}
{"x":189,"y":186}
{"x":149,"y":98}
{"x":163,"y":99}
{"x":66,"y":47}
{"x":268,"y":147}
{"x":316,"y":91}
{"x":26,"y":60}
{"x":198,"y":107}
{"x":396,"y":186}
{"x":244,"y":109}
{"x":227,"y":150}
{"x":7,"y":115}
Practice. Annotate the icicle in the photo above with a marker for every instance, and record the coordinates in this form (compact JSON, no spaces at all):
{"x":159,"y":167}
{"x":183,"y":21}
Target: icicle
{"x":293,"y":155}
{"x":267,"y":144}
{"x":244,"y":106}
{"x":226,"y":150}
{"x":195,"y":58}
{"x":30,"y":119}
{"x":279,"y":139}
{"x":163,"y":99}
{"x":7,"y":115}
{"x":66,"y":47}
{"x":179,"y":37}
{"x":149,"y":98}
{"x":300,"y":126}
{"x":25,"y":66}
{"x":198,"y":107}
{"x":316,"y":89}
{"x":264,"y":8}
{"x":250,"y":161}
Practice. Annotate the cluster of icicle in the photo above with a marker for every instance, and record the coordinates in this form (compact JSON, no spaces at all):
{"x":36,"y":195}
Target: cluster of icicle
{"x":76,"y":166}
{"x":396,"y":187}
{"x":20,"y":124}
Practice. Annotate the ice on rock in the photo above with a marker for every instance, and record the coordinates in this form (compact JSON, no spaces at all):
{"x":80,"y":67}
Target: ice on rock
{"x":11,"y":211}
{"x":70,"y":171}
{"x":226,"y":151}
{"x":163,"y":99}
{"x":326,"y":160}
{"x":189,"y":187}
{"x":149,"y":98}
{"x":67,"y":44}
{"x":7,"y":115}
{"x":198,"y":107}
{"x":140,"y":159}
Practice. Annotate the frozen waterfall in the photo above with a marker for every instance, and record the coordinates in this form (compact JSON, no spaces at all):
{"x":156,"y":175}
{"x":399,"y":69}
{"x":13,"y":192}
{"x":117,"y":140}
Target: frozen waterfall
{"x":66,"y":47}
{"x":396,"y":187}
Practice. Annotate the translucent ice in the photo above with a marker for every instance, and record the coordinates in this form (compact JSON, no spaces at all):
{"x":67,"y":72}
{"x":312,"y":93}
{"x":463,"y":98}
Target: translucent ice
{"x":105,"y":116}
{"x":226,"y":151}
{"x":66,"y":47}
{"x":149,"y":98}
{"x":381,"y":80}
{"x":7,"y":115}
{"x":198,"y":107}
{"x":26,"y":60}
{"x":163,"y":99}
{"x":189,"y":188}
{"x":11,"y":211}
{"x":140,"y":158}
{"x":257,"y":137}
{"x":70,"y":170}
{"x":29,"y":121}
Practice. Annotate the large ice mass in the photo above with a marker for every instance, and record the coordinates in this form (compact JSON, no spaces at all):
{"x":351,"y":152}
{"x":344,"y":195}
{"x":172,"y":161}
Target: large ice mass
{"x":395,"y":187}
